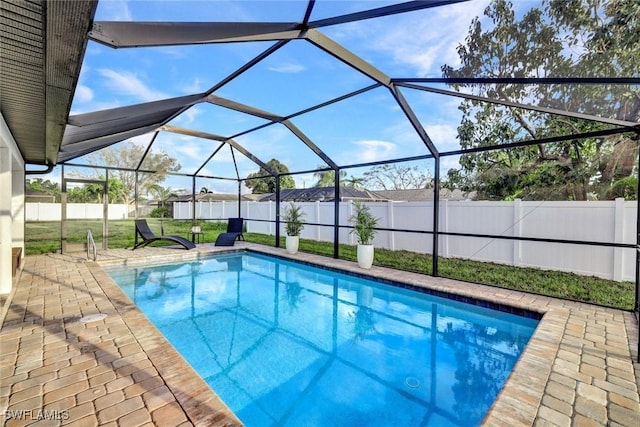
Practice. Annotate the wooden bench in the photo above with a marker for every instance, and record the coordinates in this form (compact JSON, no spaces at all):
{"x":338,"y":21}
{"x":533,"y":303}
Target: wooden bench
{"x":15,"y":259}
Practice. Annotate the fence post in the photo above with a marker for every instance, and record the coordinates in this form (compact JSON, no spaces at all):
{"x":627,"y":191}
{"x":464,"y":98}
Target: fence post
{"x":349,"y":215}
{"x":444,"y":214}
{"x":272,"y":217}
{"x":517,"y":231}
{"x":390,"y":224}
{"x":246,"y":215}
{"x":318,"y":220}
{"x":618,"y":237}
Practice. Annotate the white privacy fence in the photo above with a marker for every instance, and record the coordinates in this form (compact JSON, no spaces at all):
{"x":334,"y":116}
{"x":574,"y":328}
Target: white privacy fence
{"x":605,"y":221}
{"x":53,"y":211}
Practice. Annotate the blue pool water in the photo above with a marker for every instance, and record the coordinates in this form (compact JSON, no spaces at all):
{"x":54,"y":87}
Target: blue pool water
{"x":287,"y":344}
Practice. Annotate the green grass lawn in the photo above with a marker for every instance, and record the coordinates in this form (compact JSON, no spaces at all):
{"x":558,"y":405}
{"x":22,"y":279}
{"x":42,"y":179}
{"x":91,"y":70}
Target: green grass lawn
{"x":44,"y":237}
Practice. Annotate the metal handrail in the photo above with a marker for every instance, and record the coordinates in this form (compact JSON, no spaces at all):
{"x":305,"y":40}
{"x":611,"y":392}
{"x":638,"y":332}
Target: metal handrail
{"x":91,"y":244}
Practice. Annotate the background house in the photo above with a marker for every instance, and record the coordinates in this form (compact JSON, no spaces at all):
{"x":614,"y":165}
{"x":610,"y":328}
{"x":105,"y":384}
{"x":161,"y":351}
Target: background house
{"x":422,"y":195}
{"x":323,"y":194}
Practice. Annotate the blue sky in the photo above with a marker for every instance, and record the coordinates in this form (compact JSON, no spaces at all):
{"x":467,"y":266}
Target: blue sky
{"x":366,"y":128}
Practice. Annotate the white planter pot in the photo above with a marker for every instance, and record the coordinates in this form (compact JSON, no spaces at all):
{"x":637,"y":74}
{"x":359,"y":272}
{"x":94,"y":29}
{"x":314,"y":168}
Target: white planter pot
{"x":365,"y":256}
{"x":292,"y":244}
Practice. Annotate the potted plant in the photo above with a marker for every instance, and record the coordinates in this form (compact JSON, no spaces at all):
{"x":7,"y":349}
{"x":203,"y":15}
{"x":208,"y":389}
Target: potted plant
{"x":364,"y":228}
{"x":293,"y":217}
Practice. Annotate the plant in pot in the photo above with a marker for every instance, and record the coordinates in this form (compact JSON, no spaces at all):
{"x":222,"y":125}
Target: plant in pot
{"x":364,"y":224}
{"x":293,"y":217}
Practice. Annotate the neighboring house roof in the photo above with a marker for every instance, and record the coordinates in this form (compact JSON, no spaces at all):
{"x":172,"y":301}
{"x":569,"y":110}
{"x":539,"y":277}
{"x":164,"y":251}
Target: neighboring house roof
{"x":206,"y":197}
{"x":326,"y":194}
{"x":253,"y":197}
{"x":322,"y":194}
{"x":218,"y":197}
{"x":179,"y":198}
{"x":424,"y":194}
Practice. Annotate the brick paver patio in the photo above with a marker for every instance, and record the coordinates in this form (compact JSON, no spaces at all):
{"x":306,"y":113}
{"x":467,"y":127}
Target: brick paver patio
{"x":60,"y":367}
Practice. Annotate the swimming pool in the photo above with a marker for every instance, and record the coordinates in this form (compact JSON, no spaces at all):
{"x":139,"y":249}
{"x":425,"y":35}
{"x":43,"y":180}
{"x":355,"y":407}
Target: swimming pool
{"x":284,"y":343}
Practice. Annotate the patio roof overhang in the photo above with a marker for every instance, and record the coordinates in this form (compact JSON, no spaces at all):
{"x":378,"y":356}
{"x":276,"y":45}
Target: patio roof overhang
{"x":42,"y":48}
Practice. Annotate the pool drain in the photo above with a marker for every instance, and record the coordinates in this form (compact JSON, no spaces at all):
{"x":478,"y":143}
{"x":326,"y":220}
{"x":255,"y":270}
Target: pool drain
{"x":412,"y":382}
{"x":92,"y":318}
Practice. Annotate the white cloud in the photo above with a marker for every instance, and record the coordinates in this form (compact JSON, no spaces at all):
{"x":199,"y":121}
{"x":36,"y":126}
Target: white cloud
{"x":223,"y":156}
{"x":188,"y":117}
{"x":370,"y":151}
{"x":288,"y":68}
{"x":94,"y":106}
{"x":127,"y":83}
{"x":444,"y":136}
{"x":173,"y":52}
{"x":422,"y":41}
{"x":227,"y":187}
{"x":305,"y":180}
{"x":449,"y":162}
{"x":115,"y":10}
{"x":188,"y":148}
{"x":142,"y":140}
{"x":195,"y":86}
{"x":427,"y":47}
{"x":83,"y":94}
{"x":405,"y":136}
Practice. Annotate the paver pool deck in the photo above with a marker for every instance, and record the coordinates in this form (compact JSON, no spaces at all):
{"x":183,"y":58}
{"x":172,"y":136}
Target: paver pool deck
{"x":579,"y":367}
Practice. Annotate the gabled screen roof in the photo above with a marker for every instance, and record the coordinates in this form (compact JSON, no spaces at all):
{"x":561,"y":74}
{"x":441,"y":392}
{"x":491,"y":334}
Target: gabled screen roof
{"x":313,"y":83}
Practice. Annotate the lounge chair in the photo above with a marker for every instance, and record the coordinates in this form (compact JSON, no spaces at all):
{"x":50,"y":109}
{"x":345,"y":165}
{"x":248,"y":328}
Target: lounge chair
{"x":235,"y":226}
{"x":142,"y":229}
{"x":234,"y":232}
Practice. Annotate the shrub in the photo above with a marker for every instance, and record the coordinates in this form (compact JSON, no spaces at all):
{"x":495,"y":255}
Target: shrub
{"x":159,"y":213}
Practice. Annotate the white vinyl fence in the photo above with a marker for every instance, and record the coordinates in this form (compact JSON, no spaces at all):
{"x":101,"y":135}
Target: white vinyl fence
{"x":53,"y":211}
{"x":603,"y":221}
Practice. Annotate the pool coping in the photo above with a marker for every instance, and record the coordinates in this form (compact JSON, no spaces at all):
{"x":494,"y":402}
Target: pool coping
{"x":517,"y":403}
{"x":200,"y":403}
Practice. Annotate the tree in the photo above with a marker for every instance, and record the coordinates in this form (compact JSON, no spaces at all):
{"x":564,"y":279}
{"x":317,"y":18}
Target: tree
{"x":162,"y":194}
{"x":260,"y":185}
{"x":127,"y":157}
{"x":88,"y":193}
{"x":353,"y":182}
{"x":395,"y":177}
{"x":625,"y":187}
{"x":93,"y":193}
{"x":45,"y":186}
{"x":562,"y":38}
{"x":327,"y":178}
{"x":117,"y":192}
